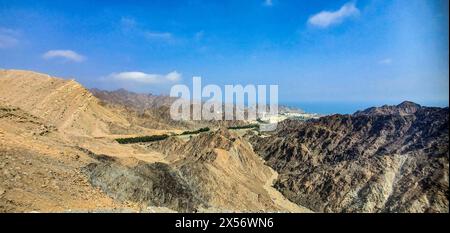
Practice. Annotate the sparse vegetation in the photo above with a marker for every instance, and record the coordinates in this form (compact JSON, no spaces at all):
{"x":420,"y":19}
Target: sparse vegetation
{"x":154,"y":138}
{"x":151,"y":138}
{"x":206,"y":129}
{"x":250,"y":126}
{"x":261,"y":121}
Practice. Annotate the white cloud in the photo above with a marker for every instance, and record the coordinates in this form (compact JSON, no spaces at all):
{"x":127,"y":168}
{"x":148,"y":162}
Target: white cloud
{"x":324,"y":19}
{"x":144,"y":78}
{"x":268,"y":3}
{"x":65,"y":54}
{"x":8,"y":38}
{"x":386,"y":61}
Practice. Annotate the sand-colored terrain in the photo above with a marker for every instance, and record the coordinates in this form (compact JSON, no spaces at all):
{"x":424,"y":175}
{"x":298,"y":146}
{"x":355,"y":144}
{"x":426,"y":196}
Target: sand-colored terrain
{"x":58,"y":153}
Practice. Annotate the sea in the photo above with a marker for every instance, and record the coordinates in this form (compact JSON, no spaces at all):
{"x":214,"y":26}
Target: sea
{"x":328,"y":108}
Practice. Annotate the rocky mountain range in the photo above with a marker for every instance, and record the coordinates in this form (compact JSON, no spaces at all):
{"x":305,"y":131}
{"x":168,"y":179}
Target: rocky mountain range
{"x":132,"y":99}
{"x":148,"y":108}
{"x":382,"y":159}
{"x":59,"y":153}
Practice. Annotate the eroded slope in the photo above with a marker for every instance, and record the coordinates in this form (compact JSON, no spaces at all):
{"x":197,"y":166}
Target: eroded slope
{"x":387,"y":159}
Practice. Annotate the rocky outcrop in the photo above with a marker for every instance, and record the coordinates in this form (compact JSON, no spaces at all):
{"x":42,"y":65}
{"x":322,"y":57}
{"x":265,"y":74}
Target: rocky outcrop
{"x":150,"y":184}
{"x":385,"y":159}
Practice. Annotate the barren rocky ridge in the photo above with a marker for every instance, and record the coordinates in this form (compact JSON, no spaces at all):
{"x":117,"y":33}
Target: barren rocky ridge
{"x":384,"y":159}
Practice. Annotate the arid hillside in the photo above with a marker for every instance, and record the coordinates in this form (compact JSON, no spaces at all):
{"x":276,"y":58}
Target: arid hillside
{"x":133,"y":100}
{"x":64,"y":103}
{"x":385,"y":159}
{"x":40,"y":171}
{"x":58,"y":153}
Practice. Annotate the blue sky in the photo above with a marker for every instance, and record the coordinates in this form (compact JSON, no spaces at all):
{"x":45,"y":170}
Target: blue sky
{"x":316,"y":51}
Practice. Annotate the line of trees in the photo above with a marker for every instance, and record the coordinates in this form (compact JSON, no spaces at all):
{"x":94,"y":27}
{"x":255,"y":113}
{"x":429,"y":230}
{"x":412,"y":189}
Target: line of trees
{"x":250,"y":126}
{"x":151,"y":138}
{"x":154,"y":138}
{"x":206,"y":129}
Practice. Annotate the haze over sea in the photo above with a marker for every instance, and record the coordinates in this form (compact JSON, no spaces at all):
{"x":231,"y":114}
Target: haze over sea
{"x":328,"y":107}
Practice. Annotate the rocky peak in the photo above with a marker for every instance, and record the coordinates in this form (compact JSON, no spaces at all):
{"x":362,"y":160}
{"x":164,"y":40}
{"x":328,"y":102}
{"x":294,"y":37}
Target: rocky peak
{"x":408,"y":107}
{"x":404,"y":108}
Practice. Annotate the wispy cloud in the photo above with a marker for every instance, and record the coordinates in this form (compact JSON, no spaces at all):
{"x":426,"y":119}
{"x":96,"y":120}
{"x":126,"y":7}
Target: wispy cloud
{"x":158,"y":35}
{"x":69,"y":55}
{"x":130,"y":25}
{"x":268,"y":2}
{"x":325,"y":19}
{"x":127,"y":23}
{"x":145,"y":78}
{"x":385,"y":61}
{"x":199,"y":35}
{"x":8,"y":38}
